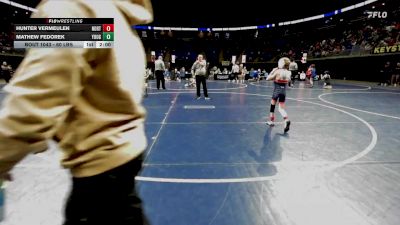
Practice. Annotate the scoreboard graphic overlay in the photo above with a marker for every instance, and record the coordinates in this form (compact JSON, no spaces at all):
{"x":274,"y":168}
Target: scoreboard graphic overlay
{"x":65,"y":33}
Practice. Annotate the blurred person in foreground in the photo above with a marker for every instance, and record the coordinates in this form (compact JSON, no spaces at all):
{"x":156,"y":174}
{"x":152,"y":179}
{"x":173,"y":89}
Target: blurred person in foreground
{"x":89,"y":101}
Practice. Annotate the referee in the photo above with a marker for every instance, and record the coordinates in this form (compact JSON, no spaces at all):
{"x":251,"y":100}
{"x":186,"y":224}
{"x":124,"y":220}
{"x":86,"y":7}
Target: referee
{"x":199,"y":70}
{"x":159,"y":68}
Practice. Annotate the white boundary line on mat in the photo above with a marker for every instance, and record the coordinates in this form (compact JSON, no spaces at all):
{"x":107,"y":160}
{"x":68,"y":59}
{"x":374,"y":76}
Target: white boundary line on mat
{"x":163,"y":122}
{"x":359,"y":110}
{"x":365,"y":88}
{"x":241,"y":86}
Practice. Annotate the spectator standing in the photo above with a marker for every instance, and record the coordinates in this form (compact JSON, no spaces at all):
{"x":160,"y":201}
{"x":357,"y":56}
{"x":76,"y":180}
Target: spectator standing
{"x":396,"y":75}
{"x":293,"y":68}
{"x":235,"y":72}
{"x":6,"y":72}
{"x":385,"y":74}
{"x":242,"y":73}
{"x":208,"y":71}
{"x":311,"y":74}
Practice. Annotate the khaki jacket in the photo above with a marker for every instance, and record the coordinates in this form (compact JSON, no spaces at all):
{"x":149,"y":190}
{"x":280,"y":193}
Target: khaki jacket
{"x":88,"y":100}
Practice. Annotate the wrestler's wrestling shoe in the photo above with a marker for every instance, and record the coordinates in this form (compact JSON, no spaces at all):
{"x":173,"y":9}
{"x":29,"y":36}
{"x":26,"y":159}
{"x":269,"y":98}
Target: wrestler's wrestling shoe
{"x":287,"y":126}
{"x":270,"y":123}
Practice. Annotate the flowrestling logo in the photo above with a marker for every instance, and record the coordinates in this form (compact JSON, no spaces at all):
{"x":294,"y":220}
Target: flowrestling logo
{"x":377,"y":14}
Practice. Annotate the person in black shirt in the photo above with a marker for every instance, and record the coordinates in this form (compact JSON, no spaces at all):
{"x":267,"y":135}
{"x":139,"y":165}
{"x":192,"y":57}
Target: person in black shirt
{"x":6,"y":72}
{"x":396,"y":75}
{"x":385,"y":74}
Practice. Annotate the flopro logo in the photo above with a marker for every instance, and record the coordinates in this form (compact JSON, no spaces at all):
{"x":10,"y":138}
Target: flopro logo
{"x":377,"y":14}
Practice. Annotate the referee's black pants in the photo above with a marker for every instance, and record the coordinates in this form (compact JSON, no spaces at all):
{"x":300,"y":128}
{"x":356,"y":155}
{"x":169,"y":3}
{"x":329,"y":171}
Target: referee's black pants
{"x":201,"y":80}
{"x":292,"y":77}
{"x":160,"y":78}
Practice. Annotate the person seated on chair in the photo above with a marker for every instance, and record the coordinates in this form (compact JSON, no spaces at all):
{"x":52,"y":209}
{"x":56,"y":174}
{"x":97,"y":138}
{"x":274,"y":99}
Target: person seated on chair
{"x":259,"y":73}
{"x":212,"y":72}
{"x":327,"y":80}
{"x":264,"y":74}
{"x":174,"y":74}
{"x":218,"y":71}
{"x":182,"y":73}
{"x":167,"y":74}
